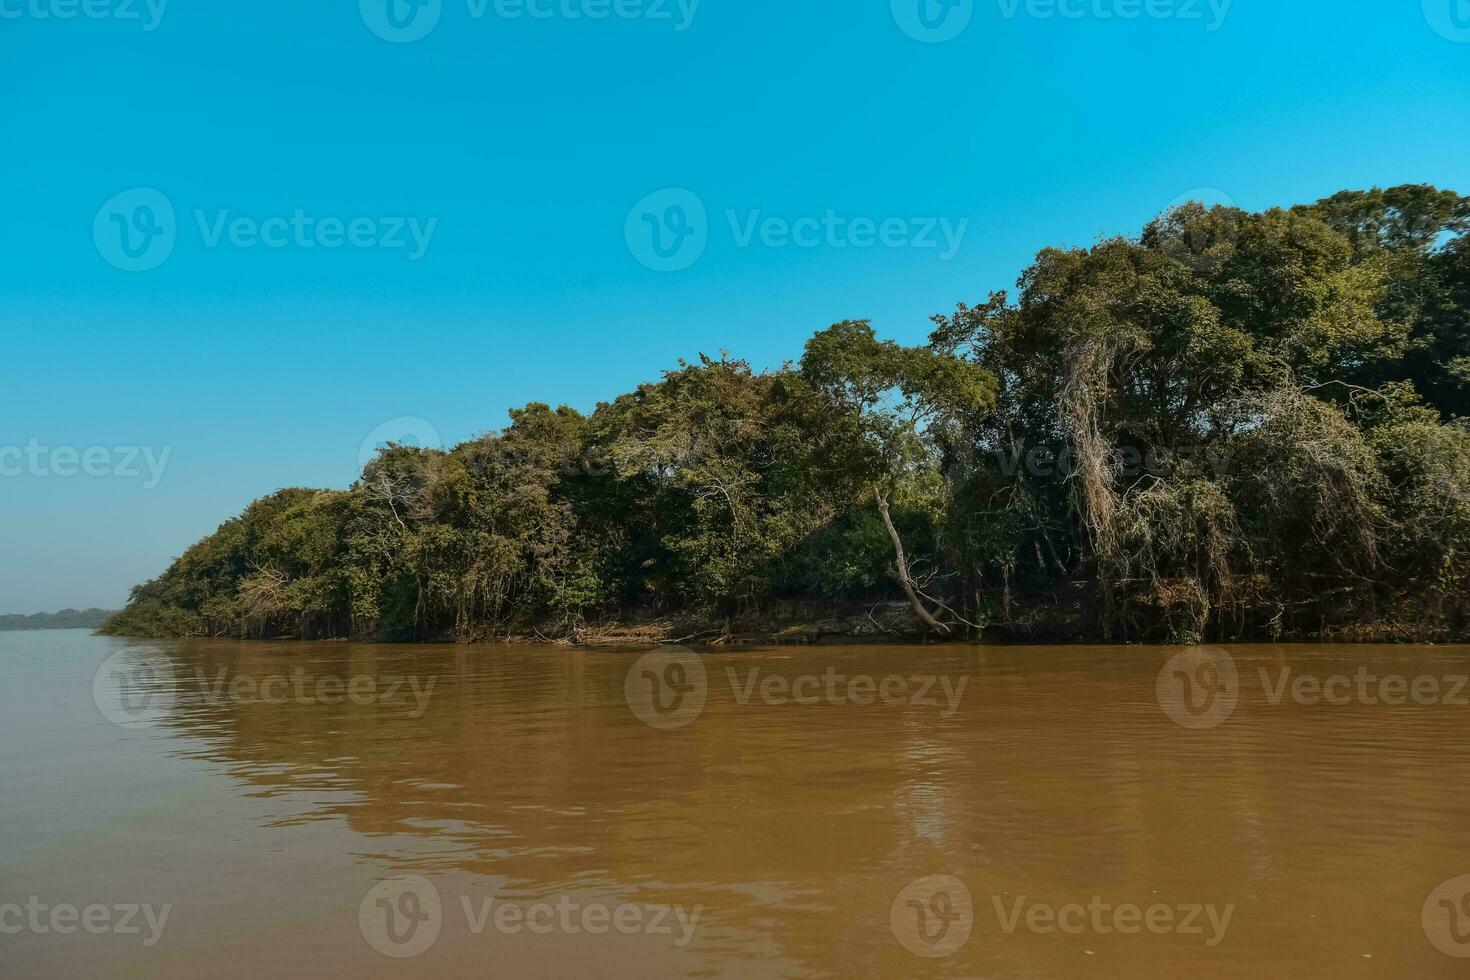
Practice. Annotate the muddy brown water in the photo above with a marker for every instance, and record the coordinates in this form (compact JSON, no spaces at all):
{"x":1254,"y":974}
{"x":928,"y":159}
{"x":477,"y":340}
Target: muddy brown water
{"x":305,"y":810}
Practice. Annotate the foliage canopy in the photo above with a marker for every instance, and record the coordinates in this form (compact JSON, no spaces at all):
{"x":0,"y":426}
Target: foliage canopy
{"x":1233,"y":425}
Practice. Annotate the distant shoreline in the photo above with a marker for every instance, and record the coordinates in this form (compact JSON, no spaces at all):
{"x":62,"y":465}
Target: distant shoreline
{"x":66,"y":619}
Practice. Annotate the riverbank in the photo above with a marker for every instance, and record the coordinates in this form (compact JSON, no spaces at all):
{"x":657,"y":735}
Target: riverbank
{"x":1163,"y":614}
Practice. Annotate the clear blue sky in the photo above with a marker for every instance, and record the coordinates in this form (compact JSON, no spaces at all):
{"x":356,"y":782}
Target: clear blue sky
{"x":529,"y":140}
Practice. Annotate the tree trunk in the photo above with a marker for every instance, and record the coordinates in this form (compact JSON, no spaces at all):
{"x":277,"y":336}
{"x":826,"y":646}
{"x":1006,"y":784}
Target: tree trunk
{"x":902,"y":566}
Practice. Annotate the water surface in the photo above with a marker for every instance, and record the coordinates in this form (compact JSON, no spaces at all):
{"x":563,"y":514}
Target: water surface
{"x":798,"y":838}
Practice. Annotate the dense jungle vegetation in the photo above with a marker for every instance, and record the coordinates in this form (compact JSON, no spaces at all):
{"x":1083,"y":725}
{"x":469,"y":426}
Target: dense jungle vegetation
{"x":1235,"y":425}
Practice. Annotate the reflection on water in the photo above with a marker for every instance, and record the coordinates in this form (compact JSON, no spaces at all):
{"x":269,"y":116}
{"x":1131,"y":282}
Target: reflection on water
{"x":797,"y":818}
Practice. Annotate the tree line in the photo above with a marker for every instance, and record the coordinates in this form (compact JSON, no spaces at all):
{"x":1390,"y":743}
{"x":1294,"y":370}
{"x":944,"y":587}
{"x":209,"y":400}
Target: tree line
{"x":66,"y":619}
{"x":1232,"y":426}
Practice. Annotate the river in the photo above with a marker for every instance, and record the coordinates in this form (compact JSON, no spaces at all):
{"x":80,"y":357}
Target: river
{"x":225,"y":809}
